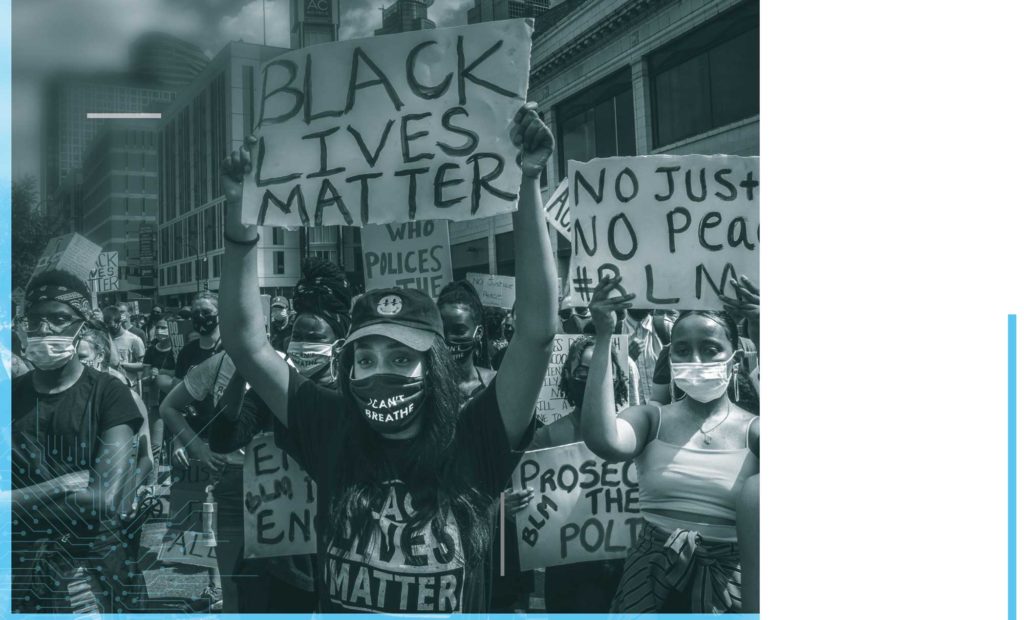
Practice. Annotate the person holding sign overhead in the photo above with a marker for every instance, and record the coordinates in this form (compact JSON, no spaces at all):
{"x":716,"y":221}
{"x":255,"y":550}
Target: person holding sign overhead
{"x":584,"y":587}
{"x":692,"y":458}
{"x":406,"y":474}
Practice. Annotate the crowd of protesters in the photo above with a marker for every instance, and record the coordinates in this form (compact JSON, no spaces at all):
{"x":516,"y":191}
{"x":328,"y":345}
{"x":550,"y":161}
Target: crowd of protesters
{"x":410,"y":415}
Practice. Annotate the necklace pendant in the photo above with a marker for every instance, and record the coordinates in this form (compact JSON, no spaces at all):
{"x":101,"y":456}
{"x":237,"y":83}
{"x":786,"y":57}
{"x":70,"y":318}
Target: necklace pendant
{"x":707,"y":440}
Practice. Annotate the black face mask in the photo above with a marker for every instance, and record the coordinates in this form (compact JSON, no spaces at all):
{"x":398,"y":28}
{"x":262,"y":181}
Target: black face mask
{"x":460,"y":348}
{"x":113,"y":328}
{"x":389,"y":402}
{"x":204,"y":324}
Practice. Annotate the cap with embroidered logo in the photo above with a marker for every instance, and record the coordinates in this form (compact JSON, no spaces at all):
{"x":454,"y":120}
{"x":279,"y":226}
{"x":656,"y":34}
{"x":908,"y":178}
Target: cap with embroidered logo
{"x":406,"y":315}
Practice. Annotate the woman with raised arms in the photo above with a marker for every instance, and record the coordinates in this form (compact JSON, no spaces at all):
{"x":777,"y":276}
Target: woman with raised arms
{"x":406,"y":477}
{"x":693,"y":457}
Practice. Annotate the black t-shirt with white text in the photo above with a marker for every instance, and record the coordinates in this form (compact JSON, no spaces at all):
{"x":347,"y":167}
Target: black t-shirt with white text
{"x":396,"y":569}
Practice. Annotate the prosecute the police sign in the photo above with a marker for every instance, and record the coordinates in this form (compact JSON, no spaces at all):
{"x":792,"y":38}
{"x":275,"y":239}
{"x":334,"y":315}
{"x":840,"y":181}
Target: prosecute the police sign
{"x":677,"y":228}
{"x":390,"y":129}
{"x":585,"y":508}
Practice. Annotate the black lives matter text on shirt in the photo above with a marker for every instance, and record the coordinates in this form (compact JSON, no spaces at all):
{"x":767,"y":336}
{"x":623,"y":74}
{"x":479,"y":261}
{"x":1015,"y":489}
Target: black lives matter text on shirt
{"x":394,"y":567}
{"x":391,"y":566}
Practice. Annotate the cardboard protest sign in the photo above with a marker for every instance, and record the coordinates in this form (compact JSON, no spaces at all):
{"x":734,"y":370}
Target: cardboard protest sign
{"x":411,"y":255}
{"x":105,"y":278}
{"x":496,"y":291}
{"x":395,"y":128}
{"x":280,"y":502}
{"x":551,"y":404}
{"x":187,"y":547}
{"x":183,"y":543}
{"x":180,"y":332}
{"x":676,"y":228}
{"x":557,"y":210}
{"x":584,"y":507}
{"x":72,"y":253}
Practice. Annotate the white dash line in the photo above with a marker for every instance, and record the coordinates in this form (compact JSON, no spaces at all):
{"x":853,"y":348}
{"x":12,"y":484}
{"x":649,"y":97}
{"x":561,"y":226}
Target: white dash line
{"x":98,"y":115}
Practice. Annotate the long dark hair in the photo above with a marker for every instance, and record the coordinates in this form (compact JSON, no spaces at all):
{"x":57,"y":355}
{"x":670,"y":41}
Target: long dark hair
{"x":748,"y":398}
{"x":572,"y":358}
{"x":436,"y":485}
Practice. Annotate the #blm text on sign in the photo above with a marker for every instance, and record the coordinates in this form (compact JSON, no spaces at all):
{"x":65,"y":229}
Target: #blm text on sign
{"x":585,"y":508}
{"x":676,"y":228}
{"x":388,"y":129}
{"x":410,"y":255}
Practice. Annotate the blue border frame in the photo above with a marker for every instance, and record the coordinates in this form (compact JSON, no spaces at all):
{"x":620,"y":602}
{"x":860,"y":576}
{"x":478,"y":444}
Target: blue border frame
{"x":1012,"y":466}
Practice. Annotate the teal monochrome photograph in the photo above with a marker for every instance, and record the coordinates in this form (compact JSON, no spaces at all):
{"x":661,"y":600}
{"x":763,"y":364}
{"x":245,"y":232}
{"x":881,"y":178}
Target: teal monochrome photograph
{"x":414,"y":307}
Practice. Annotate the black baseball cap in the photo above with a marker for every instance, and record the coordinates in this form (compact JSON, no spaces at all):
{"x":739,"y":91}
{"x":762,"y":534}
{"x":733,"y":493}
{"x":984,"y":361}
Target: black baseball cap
{"x":279,"y":301}
{"x":406,"y":315}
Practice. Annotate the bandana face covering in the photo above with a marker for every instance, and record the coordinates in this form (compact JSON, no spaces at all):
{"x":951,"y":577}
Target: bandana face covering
{"x":702,"y":382}
{"x":311,"y":357}
{"x":51,"y":352}
{"x":389,"y":402}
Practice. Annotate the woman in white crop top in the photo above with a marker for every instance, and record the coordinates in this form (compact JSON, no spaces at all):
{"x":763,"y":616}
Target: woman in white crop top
{"x":692,"y":456}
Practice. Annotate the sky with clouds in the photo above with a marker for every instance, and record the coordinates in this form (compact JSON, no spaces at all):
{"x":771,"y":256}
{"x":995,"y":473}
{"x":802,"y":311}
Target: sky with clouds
{"x":95,"y":35}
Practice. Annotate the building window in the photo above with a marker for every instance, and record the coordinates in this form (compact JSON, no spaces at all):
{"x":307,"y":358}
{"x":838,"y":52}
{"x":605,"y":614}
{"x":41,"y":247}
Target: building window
{"x":216,"y":266}
{"x":707,"y":78}
{"x":278,"y":236}
{"x":470,"y":256}
{"x":597,"y":122}
{"x":278,"y":263}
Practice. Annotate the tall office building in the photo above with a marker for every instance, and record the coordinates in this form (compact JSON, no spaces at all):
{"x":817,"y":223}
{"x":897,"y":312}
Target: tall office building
{"x":210,"y":118}
{"x":405,"y":16}
{"x":67,"y":131}
{"x":491,"y":10}
{"x":159,"y":58}
{"x":160,"y":65}
{"x":314,"y":21}
{"x":119,"y":199}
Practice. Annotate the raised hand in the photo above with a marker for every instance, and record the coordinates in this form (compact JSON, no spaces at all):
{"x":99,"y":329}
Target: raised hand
{"x":746,"y":304}
{"x":603,"y":308}
{"x":533,"y":138}
{"x":234,"y":167}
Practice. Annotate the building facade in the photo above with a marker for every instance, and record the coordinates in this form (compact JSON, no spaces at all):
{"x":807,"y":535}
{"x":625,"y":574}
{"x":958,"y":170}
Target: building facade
{"x":405,"y":16}
{"x":159,"y":58}
{"x":209,"y":119}
{"x":492,"y":10}
{"x":313,"y":21}
{"x":67,"y":131}
{"x":631,"y":77}
{"x":119,"y":187}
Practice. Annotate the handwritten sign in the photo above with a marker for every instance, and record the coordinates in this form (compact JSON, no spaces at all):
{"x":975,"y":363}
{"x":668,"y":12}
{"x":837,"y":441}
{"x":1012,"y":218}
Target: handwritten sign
{"x":551,"y":404}
{"x":180,"y":332}
{"x":395,"y":128}
{"x":411,"y":255}
{"x":496,"y":291}
{"x":280,"y":502}
{"x":557,"y":211}
{"x":676,"y":228}
{"x":584,"y":507}
{"x":187,"y":547}
{"x":104,"y":277}
{"x":72,"y":253}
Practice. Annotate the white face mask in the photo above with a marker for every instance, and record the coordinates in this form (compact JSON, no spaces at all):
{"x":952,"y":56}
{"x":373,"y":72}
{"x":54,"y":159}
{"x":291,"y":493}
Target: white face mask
{"x":50,"y":352}
{"x":703,"y":382}
{"x":310,"y":357}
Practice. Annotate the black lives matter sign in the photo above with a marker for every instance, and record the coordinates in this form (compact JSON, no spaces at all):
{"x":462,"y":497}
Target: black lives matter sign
{"x":397,"y":128}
